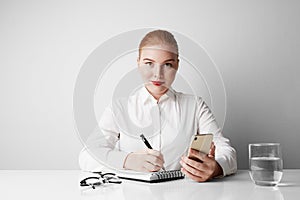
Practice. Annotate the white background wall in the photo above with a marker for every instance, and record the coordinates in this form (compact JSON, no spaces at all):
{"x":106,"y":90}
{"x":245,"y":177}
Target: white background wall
{"x":43,"y":44}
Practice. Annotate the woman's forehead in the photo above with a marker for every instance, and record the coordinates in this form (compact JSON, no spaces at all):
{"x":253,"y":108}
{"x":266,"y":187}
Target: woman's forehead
{"x":160,"y":48}
{"x":157,"y":53}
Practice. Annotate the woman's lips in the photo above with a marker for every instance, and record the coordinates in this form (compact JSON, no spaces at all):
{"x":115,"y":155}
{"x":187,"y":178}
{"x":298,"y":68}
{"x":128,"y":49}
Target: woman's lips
{"x":157,"y":83}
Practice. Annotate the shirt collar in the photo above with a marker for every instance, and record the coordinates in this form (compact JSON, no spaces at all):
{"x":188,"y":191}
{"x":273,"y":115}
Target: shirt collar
{"x":146,"y":96}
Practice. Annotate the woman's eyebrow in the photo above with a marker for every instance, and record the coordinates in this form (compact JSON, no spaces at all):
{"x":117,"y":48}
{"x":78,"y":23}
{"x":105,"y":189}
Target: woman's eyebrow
{"x":168,"y":60}
{"x":148,"y":59}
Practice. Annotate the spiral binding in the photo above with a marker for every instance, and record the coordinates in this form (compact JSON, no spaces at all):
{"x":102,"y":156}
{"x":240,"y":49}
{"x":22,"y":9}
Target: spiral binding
{"x":169,"y":174}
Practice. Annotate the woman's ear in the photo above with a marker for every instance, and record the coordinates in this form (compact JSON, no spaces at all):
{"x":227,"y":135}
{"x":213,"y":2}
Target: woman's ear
{"x":177,"y":63}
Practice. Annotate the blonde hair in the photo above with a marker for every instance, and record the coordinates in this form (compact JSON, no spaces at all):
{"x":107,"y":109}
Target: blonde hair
{"x":159,"y":37}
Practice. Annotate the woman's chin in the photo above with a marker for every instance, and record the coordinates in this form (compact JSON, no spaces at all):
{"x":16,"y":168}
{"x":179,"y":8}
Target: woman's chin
{"x":157,"y":90}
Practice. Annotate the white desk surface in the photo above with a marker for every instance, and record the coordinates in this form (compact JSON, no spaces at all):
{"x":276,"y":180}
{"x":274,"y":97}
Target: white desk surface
{"x":64,"y":184}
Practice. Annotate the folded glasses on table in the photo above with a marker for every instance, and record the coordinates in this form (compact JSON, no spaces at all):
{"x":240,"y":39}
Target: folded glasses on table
{"x":101,"y":179}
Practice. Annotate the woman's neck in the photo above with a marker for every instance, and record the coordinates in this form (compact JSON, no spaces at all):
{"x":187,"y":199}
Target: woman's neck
{"x":157,"y":96}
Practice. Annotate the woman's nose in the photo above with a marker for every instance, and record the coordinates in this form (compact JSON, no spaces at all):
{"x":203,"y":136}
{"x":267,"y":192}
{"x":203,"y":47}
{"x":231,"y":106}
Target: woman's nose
{"x":158,"y":71}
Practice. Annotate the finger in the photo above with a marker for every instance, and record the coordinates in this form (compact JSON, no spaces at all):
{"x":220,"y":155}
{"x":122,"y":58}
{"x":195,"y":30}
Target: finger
{"x":155,"y":153}
{"x":191,"y":176}
{"x":212,"y":150}
{"x":191,"y":169}
{"x":212,"y":144}
{"x":155,"y":160}
{"x":195,"y":164}
{"x":150,"y":167}
{"x":198,"y":154}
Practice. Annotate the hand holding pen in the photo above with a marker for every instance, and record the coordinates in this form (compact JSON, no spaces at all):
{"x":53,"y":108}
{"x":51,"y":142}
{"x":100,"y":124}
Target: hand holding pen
{"x":147,"y":160}
{"x":149,"y":146}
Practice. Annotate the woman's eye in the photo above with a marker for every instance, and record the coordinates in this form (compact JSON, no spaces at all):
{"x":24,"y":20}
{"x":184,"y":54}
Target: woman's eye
{"x":168,"y":65}
{"x":149,"y":63}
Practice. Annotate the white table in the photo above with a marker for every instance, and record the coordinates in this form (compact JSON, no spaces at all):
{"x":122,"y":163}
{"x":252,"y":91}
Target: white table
{"x":64,"y":184}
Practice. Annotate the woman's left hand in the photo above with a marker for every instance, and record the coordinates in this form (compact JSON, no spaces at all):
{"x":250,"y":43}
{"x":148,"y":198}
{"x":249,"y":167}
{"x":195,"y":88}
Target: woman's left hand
{"x":201,"y":171}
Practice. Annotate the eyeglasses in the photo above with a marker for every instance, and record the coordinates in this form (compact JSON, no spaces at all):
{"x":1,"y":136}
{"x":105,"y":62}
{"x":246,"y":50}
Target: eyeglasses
{"x":102,"y":179}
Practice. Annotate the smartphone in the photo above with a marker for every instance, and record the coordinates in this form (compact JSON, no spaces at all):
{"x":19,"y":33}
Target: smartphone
{"x":202,"y":143}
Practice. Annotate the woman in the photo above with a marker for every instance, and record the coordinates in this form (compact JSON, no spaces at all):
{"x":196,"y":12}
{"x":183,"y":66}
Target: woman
{"x":168,"y":118}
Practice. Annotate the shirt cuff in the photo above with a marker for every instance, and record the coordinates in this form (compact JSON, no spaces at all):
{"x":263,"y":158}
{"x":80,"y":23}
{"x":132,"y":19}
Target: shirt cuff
{"x":225,"y":168}
{"x":116,"y":158}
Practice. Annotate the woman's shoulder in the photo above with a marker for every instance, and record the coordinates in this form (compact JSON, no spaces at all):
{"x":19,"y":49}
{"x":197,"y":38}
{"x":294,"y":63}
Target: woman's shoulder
{"x":187,"y":96}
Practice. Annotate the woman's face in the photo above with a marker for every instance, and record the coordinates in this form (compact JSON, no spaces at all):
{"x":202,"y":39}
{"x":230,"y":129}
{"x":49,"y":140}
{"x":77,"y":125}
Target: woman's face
{"x":158,"y":68}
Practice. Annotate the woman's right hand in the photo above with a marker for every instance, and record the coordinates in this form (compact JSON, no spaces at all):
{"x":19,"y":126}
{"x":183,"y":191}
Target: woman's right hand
{"x":147,"y":160}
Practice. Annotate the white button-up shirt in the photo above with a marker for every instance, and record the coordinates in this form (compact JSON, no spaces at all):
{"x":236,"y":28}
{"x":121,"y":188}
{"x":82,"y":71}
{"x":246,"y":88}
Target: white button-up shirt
{"x":168,"y":124}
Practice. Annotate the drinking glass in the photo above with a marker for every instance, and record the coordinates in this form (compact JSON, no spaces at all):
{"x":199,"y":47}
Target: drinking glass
{"x":265,"y":163}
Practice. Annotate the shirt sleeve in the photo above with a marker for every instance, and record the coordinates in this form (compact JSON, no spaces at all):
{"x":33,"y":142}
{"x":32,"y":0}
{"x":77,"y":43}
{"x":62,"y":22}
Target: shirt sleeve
{"x":225,"y":154}
{"x":100,"y":149}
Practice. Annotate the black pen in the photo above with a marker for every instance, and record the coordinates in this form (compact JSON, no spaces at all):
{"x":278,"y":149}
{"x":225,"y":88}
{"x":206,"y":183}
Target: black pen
{"x":146,"y":141}
{"x":148,"y":145}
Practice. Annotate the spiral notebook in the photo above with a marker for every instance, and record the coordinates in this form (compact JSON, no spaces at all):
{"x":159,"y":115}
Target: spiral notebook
{"x":153,"y":177}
